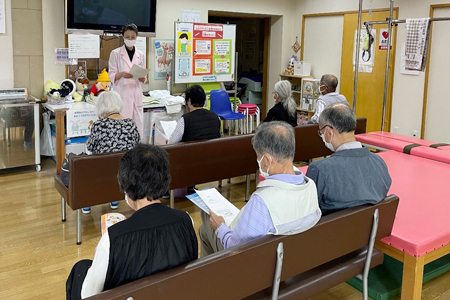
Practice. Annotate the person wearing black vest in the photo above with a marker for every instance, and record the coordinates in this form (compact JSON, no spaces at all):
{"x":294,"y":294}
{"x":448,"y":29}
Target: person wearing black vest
{"x":199,"y":123}
{"x":154,"y":239}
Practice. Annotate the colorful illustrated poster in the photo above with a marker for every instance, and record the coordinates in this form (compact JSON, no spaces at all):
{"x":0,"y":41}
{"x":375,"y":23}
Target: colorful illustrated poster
{"x":204,"y":52}
{"x":202,"y":66}
{"x":212,"y":31}
{"x":202,"y":47}
{"x":164,"y":54}
{"x":184,"y":65}
{"x":184,"y":44}
{"x":222,"y":57}
{"x":222,"y":48}
{"x":222,"y":66}
{"x":79,"y":122}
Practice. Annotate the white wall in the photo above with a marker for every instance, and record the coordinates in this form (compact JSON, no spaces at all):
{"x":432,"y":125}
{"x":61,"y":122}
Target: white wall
{"x":323,"y":44}
{"x":407,"y":100}
{"x":53,"y":35}
{"x":6,"y":46}
{"x":282,"y":14}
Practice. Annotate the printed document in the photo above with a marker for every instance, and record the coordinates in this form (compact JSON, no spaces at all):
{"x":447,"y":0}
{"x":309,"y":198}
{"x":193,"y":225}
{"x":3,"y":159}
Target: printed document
{"x":168,"y":127}
{"x":219,"y":204}
{"x":138,"y":72}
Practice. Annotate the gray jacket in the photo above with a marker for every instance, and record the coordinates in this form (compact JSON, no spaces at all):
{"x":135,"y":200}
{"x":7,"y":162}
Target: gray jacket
{"x":349,"y":178}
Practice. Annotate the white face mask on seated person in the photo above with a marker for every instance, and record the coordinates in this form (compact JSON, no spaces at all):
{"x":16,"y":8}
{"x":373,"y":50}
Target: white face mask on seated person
{"x":263,"y":174}
{"x":322,"y":135}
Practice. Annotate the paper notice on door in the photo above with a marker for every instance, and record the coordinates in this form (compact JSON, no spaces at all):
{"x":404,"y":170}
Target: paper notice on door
{"x":219,"y":204}
{"x":138,"y":72}
{"x":168,"y":127}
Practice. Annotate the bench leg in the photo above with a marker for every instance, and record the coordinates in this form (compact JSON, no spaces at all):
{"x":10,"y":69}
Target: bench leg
{"x":172,"y":198}
{"x":63,"y":209}
{"x":78,"y":226}
{"x":247,"y":187}
{"x":277,"y":276}
{"x":373,"y":234}
{"x":219,"y":183}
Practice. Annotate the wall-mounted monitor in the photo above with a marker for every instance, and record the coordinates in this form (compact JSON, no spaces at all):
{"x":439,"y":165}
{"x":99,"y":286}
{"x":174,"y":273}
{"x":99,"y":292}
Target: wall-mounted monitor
{"x":98,"y":16}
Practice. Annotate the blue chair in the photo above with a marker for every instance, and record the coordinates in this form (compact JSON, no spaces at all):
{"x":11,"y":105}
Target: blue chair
{"x":220,"y":104}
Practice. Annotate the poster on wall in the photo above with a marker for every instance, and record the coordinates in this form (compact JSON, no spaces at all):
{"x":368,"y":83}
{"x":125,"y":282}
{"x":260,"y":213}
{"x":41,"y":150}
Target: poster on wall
{"x":184,"y":44}
{"x":84,"y":46}
{"x":78,"y":70}
{"x":164,"y":54}
{"x":79,"y":122}
{"x":2,"y":17}
{"x":366,"y":58}
{"x":204,"y":52}
{"x":384,"y":34}
{"x":184,"y":65}
{"x":203,"y":47}
{"x":202,"y":66}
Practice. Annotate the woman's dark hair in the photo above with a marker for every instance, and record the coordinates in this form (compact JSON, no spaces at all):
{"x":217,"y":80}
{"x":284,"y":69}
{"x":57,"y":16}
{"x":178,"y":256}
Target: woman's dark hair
{"x":196,"y":94}
{"x":129,"y":26}
{"x":144,"y":172}
{"x":183,"y":36}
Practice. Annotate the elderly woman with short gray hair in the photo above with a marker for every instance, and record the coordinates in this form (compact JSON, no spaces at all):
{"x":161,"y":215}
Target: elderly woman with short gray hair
{"x":285,"y":108}
{"x":111,"y":132}
{"x":285,"y":203}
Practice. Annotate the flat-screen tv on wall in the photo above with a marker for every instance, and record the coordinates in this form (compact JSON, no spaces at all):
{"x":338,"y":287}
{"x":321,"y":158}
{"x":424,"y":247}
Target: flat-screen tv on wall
{"x":98,"y":16}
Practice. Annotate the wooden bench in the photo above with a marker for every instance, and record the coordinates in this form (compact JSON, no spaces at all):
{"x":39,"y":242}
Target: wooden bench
{"x":93,"y":178}
{"x":333,"y":251}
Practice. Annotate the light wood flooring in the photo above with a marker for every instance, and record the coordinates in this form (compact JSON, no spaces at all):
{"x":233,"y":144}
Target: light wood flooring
{"x":37,"y":250}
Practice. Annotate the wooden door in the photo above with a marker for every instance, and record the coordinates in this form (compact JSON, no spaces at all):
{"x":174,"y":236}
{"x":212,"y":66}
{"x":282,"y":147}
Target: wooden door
{"x":369,"y":101}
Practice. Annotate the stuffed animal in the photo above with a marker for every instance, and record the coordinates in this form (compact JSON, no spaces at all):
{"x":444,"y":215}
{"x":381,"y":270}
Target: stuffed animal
{"x":82,"y":85}
{"x":290,"y":68}
{"x":103,"y":84}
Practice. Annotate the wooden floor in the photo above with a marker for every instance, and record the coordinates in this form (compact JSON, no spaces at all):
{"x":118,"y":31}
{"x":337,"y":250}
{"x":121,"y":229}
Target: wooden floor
{"x":37,"y":250}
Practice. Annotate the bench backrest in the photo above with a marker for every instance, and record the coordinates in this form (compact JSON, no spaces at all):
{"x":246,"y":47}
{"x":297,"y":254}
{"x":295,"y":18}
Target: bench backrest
{"x":93,"y":178}
{"x":243,"y":270}
{"x":205,"y":161}
{"x":308,"y":143}
{"x":209,"y":160}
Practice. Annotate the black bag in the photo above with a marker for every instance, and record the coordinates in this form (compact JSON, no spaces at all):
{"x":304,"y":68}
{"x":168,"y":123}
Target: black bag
{"x":64,"y":174}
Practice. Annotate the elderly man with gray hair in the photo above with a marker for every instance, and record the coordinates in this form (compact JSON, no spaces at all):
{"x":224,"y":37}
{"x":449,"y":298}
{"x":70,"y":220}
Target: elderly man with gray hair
{"x":328,"y":84}
{"x":285,"y":203}
{"x":352,"y":175}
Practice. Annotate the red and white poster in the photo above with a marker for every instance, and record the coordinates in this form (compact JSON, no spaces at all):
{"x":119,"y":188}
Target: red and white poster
{"x":211,"y":31}
{"x":384,"y":34}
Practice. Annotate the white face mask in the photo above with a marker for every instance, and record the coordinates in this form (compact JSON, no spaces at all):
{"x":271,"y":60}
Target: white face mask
{"x":263,"y":174}
{"x":129,"y":43}
{"x":127,"y":201}
{"x":320,"y":89}
{"x":328,"y":145}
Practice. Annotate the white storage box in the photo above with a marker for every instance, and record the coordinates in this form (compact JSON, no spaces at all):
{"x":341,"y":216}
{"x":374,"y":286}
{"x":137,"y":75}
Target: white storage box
{"x":302,"y":68}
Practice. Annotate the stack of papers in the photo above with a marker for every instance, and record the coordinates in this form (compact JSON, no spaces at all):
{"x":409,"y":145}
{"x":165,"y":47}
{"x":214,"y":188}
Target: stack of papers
{"x":211,"y":199}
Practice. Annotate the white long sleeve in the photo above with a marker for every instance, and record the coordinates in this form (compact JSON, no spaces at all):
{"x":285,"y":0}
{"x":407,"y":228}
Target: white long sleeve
{"x":95,"y":278}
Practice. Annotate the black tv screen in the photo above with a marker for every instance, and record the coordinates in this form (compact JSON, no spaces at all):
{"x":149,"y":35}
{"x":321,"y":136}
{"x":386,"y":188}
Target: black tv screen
{"x":110,"y":15}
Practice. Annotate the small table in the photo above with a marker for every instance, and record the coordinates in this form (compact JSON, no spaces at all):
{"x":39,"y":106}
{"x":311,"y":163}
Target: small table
{"x":60,"y":113}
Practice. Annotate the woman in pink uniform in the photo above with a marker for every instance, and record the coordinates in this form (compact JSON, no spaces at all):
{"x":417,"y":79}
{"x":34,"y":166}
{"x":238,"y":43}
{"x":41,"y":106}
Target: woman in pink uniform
{"x":130,"y":89}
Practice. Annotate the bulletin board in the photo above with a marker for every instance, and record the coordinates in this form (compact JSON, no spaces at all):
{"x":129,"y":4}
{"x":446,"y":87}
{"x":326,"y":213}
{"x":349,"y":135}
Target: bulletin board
{"x":204,"y":52}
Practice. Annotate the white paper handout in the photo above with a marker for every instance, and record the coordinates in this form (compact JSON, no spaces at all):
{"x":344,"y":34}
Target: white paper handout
{"x":168,"y":127}
{"x":138,"y":72}
{"x":219,"y":204}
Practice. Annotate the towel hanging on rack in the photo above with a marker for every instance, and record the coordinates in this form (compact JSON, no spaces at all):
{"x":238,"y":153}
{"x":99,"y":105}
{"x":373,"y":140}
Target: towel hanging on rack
{"x":417,"y":38}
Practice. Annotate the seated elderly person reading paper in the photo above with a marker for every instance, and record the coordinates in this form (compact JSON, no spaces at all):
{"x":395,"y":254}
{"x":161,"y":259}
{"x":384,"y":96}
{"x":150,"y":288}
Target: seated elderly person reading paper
{"x":352,"y":175}
{"x":155,"y":238}
{"x":285,"y":202}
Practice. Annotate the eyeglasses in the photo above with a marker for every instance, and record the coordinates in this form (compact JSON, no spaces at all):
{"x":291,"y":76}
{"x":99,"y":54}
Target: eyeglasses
{"x":319,"y":132}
